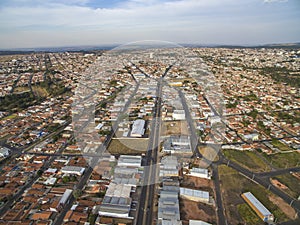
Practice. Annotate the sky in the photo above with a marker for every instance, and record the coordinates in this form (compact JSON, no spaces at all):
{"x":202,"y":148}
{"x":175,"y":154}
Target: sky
{"x":55,"y":23}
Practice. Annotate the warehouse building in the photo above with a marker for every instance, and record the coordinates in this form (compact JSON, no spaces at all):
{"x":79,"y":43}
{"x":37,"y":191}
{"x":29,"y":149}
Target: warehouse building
{"x":130,"y":161}
{"x":138,"y":128}
{"x":76,"y":170}
{"x":65,"y":197}
{"x":178,"y":114}
{"x":168,"y":207}
{"x":258,"y":207}
{"x":199,"y":172}
{"x":177,"y":144}
{"x":194,"y":195}
{"x":63,"y":201}
{"x":198,"y":222}
{"x":117,"y":201}
{"x":168,"y":167}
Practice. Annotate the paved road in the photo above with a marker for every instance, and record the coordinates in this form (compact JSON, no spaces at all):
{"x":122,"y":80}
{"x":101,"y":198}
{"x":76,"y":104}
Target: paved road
{"x":194,"y":144}
{"x":263,"y":180}
{"x":29,"y":183}
{"x":295,"y":222}
{"x":220,"y":209}
{"x":145,"y":208}
{"x":278,"y":172}
{"x":193,"y":133}
{"x":101,"y":149}
{"x":59,"y":219}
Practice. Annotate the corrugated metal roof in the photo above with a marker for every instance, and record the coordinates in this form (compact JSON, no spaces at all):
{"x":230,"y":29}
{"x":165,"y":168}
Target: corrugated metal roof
{"x":138,"y":128}
{"x":260,"y":207}
{"x":194,"y":193}
{"x":65,"y":196}
{"x":198,"y":222}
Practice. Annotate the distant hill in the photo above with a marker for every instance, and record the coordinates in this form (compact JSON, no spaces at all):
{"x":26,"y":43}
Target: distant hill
{"x":85,"y":49}
{"x":285,"y":46}
{"x":7,"y":52}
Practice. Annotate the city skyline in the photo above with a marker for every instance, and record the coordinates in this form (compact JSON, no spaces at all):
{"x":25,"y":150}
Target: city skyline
{"x":29,"y":24}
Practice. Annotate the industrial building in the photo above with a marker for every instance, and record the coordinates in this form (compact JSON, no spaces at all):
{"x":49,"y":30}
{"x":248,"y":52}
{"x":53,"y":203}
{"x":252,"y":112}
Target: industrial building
{"x":177,"y":144}
{"x":168,"y":203}
{"x":128,"y":170}
{"x":65,"y":197}
{"x":198,"y":222}
{"x":199,"y":172}
{"x":117,"y":201}
{"x":168,"y":167}
{"x":178,"y":114}
{"x":138,"y":128}
{"x":168,"y":207}
{"x":76,"y":170}
{"x":63,"y":201}
{"x":195,"y":195}
{"x":130,"y":161}
{"x":258,"y":207}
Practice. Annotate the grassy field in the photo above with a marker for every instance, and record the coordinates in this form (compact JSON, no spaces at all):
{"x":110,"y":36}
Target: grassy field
{"x":21,"y":89}
{"x":234,"y":184}
{"x":247,"y":159}
{"x":281,"y":146}
{"x":248,"y":215}
{"x":284,"y":160}
{"x":11,"y":117}
{"x":40,"y":91}
{"x":128,"y":146}
{"x":292,"y":183}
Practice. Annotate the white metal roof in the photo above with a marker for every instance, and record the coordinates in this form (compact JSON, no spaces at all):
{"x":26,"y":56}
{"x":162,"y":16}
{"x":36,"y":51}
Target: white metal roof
{"x":257,"y":204}
{"x":118,"y":190}
{"x":138,"y":128}
{"x":194,"y":193}
{"x":198,"y":222}
{"x":65,"y":196}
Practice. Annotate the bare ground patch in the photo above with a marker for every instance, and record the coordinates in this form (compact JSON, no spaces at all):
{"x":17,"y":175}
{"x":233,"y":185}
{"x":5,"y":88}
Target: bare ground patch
{"x":284,"y":207}
{"x":191,"y":210}
{"x":174,"y":128}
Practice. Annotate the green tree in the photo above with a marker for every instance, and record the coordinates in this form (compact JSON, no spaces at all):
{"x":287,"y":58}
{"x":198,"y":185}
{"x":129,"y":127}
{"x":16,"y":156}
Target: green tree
{"x":66,"y":179}
{"x":77,"y":193}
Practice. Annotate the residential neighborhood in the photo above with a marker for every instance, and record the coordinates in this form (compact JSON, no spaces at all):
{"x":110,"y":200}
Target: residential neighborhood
{"x":167,"y":136}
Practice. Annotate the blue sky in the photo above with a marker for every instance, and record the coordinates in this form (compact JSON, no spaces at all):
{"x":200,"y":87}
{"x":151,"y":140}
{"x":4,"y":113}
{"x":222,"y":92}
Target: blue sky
{"x":49,"y":23}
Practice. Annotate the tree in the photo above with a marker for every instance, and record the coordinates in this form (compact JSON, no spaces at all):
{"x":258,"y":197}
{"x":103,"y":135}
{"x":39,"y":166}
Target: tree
{"x":253,"y":113}
{"x":77,"y":193}
{"x":66,"y":179}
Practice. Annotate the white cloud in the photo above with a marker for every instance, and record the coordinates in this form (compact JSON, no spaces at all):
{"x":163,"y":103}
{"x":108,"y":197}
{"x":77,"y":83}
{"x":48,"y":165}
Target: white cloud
{"x":45,"y":22}
{"x":273,"y":1}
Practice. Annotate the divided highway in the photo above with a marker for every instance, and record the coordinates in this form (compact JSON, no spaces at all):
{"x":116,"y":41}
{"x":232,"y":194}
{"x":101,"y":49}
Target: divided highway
{"x":145,"y":211}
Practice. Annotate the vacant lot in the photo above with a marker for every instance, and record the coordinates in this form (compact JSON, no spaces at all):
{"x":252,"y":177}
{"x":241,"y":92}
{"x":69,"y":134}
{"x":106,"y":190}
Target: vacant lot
{"x":283,"y":160}
{"x":247,"y":159}
{"x":197,"y":183}
{"x":128,"y":146}
{"x":292,"y":183}
{"x":209,"y":153}
{"x":174,"y":128}
{"x":233,"y":185}
{"x":281,"y":146}
{"x":191,"y":210}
